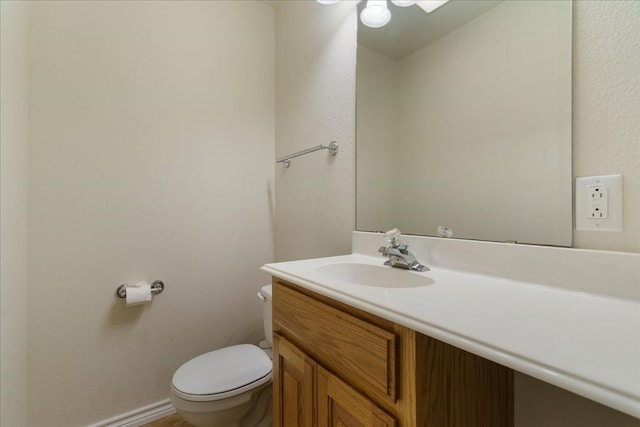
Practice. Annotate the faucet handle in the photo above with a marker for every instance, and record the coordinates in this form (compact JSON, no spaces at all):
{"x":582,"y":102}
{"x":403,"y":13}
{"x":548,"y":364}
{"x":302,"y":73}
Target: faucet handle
{"x":393,"y":237}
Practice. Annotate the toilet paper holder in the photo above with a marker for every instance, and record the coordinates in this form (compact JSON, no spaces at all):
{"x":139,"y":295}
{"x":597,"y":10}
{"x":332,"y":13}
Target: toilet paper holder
{"x":156,"y":288}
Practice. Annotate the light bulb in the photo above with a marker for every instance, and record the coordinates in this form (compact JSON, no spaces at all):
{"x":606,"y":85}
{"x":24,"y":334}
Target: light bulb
{"x":376,"y":14}
{"x":403,"y":3}
{"x":327,"y":1}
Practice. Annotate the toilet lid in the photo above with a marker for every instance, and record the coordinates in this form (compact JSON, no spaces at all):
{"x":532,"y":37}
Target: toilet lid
{"x":223,"y":373}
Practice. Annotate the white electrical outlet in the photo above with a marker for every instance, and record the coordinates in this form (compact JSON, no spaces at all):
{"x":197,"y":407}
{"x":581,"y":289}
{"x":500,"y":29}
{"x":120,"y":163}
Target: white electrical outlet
{"x":599,"y":203}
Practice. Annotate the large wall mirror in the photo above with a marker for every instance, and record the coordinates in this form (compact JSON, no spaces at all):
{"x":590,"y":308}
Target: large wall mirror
{"x":464,"y":122}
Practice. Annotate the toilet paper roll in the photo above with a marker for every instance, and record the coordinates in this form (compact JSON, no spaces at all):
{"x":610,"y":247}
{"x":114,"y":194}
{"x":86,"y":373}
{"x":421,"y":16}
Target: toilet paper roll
{"x":140,"y":293}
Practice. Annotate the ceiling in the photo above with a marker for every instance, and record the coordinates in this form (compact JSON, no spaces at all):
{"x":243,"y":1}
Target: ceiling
{"x":411,"y":28}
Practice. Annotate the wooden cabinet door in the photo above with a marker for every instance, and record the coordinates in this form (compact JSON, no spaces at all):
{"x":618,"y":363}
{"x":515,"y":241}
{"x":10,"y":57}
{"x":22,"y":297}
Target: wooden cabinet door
{"x":339,"y":405}
{"x":294,"y":385}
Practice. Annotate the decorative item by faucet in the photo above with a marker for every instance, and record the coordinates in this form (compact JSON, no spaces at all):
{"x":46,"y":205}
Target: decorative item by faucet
{"x":398,"y":253}
{"x":393,"y":237}
{"x":444,"y":231}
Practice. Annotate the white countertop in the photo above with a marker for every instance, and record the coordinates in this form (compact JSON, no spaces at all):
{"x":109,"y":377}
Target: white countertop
{"x":585,"y":343}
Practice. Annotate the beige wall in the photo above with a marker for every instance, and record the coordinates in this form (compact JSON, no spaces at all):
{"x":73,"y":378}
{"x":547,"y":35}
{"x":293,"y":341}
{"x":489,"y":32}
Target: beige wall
{"x":315,"y":86}
{"x":606,"y":84}
{"x":13,"y":213}
{"x":606,"y":101}
{"x":151,"y":157}
{"x":539,"y":404}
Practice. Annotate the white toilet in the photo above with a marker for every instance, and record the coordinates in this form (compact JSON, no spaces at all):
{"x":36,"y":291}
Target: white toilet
{"x":229,"y":387}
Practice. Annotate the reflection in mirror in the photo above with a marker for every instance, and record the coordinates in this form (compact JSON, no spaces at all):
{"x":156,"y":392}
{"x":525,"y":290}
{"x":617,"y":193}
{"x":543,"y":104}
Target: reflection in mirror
{"x":467,"y":126}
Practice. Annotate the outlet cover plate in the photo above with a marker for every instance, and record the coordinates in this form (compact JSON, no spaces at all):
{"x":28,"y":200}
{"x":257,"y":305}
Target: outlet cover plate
{"x":613,"y":190}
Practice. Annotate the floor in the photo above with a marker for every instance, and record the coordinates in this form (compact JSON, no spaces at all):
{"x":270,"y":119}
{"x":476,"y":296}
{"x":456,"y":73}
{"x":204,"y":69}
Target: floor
{"x":171,"y":421}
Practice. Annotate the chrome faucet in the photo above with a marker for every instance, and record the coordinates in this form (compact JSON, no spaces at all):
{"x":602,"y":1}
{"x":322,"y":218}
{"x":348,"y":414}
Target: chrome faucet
{"x":399,"y":255}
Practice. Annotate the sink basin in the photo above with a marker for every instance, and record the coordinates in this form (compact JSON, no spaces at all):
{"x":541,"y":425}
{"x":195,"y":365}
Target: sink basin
{"x":374,"y":275}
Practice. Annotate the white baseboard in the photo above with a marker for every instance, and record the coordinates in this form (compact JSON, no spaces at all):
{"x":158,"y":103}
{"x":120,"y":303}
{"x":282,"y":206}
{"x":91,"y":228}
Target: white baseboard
{"x":140,"y":416}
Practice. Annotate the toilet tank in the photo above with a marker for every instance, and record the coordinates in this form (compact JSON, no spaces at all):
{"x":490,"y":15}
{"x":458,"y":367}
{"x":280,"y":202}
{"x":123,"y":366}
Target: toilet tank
{"x":266,"y":296}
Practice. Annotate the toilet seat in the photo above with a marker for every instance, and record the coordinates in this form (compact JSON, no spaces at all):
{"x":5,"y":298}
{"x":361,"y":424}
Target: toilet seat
{"x":221,"y":374}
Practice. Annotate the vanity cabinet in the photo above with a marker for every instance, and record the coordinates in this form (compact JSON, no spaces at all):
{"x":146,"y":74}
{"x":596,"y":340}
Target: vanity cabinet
{"x":335,"y":365}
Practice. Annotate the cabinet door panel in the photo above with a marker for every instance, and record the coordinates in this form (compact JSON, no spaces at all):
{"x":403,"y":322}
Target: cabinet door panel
{"x":294,"y":383}
{"x":339,"y":405}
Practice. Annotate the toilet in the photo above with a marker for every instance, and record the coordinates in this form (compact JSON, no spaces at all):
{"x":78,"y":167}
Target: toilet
{"x":229,"y":387}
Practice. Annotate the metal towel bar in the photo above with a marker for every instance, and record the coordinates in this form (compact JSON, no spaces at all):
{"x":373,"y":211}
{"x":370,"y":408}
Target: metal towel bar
{"x":332,"y":147}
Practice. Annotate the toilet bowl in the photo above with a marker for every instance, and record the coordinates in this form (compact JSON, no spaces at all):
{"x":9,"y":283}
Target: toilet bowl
{"x":229,"y":387}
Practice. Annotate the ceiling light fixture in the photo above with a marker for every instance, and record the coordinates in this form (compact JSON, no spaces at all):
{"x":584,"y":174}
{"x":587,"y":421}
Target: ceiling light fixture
{"x":403,"y":3}
{"x":376,"y":14}
{"x":431,"y":5}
